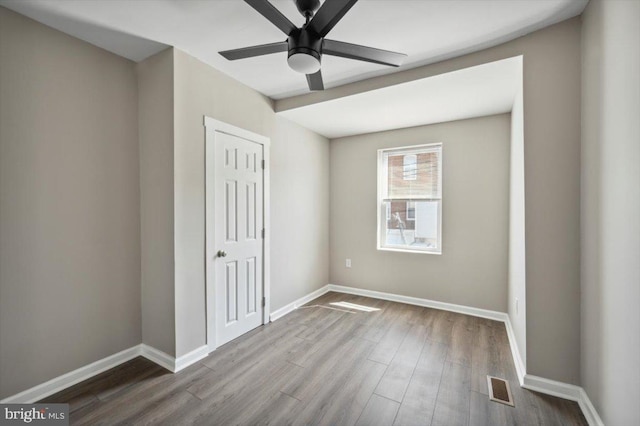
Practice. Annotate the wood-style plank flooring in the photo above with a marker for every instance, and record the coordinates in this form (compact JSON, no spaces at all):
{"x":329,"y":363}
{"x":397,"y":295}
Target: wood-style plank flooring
{"x":331,"y":365}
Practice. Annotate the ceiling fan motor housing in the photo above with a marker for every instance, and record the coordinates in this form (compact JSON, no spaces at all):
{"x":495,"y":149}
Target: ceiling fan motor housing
{"x":305,"y":51}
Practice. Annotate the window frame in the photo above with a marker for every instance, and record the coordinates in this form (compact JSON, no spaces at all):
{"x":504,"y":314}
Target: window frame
{"x":382,"y":189}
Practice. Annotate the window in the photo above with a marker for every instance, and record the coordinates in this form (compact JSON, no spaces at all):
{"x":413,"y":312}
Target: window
{"x":410,"y":199}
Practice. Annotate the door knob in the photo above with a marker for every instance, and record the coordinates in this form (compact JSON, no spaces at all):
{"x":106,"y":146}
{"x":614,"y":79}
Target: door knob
{"x":222,"y":253}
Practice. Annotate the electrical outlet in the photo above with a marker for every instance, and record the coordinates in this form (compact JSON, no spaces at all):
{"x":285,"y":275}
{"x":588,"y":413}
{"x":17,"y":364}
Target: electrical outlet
{"x":516,"y":306}
{"x":348,"y":263}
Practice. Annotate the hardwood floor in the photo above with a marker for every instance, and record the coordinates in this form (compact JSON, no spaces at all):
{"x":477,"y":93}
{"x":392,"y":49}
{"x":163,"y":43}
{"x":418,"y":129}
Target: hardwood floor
{"x":330,"y":365}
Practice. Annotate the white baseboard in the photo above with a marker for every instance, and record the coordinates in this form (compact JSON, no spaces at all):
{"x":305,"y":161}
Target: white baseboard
{"x":71,"y":378}
{"x":551,"y":387}
{"x":62,"y":382}
{"x":565,"y":391}
{"x":163,"y":359}
{"x":171,"y":363}
{"x":521,"y":370}
{"x":589,"y":411}
{"x":299,"y":302}
{"x":191,"y":358}
{"x":461,"y":309}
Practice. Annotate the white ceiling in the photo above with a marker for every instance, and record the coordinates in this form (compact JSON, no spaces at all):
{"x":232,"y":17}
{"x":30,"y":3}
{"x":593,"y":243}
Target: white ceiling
{"x":471,"y":92}
{"x":426,"y":30}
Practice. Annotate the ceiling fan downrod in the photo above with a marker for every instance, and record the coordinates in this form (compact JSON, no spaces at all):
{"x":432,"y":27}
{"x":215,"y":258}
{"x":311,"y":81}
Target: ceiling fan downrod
{"x":307,"y":8}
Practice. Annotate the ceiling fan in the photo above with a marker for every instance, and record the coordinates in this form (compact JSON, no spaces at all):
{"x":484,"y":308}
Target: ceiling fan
{"x":307,"y":44}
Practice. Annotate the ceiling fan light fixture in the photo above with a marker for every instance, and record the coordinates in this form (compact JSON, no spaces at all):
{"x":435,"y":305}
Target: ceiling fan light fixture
{"x":304,"y":51}
{"x":304,"y":63}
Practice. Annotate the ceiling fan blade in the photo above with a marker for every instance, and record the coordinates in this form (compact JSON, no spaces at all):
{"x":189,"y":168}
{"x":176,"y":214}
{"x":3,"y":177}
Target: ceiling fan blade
{"x":329,"y":14}
{"x":362,"y":53}
{"x":248,"y":52}
{"x":269,"y":11}
{"x":315,"y":81}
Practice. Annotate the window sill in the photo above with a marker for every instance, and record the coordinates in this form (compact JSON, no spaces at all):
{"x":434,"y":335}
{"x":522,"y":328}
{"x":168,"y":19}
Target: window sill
{"x":404,"y":250}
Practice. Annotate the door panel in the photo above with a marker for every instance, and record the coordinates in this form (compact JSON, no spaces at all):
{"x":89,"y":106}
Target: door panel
{"x":238,"y":262}
{"x":232,"y":291}
{"x":230,"y":210}
{"x":251,"y":210}
{"x":251,"y":286}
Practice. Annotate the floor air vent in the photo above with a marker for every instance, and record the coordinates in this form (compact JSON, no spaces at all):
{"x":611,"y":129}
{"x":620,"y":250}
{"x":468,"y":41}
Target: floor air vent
{"x":499,"y":390}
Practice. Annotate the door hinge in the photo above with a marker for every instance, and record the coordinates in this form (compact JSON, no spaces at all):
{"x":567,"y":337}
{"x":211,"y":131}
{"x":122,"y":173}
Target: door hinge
{"x":264,"y":302}
{"x":263,"y":233}
{"x":263,"y":164}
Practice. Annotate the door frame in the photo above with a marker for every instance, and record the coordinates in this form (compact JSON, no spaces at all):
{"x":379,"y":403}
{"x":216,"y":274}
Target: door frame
{"x":212,"y":127}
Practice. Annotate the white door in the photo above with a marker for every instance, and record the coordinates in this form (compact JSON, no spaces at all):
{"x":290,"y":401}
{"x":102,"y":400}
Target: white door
{"x":238,"y":249}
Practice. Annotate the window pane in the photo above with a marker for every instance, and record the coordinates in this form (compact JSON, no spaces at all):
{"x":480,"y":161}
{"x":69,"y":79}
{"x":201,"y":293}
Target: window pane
{"x":419,"y":233}
{"x":410,"y":199}
{"x":413,"y":175}
{"x":427,"y":221}
{"x":410,"y":167}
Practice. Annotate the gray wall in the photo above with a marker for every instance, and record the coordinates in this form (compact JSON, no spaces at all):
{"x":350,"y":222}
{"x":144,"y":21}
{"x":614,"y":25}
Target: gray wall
{"x":552,"y":184}
{"x":69,"y":204}
{"x":611,"y":209}
{"x":299,"y":212}
{"x":552,"y":200}
{"x":155,"y":123}
{"x":299,"y":185}
{"x":472,"y":269}
{"x":517,"y":285}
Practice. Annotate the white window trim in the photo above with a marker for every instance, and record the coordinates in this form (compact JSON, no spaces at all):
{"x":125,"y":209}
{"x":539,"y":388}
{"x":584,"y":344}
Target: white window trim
{"x":382,"y":172}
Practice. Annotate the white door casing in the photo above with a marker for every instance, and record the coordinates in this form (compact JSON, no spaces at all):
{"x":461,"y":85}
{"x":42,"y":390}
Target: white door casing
{"x":236,"y":246}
